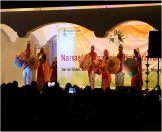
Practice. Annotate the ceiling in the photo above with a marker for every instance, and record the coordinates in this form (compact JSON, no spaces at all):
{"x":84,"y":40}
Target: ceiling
{"x":39,"y":4}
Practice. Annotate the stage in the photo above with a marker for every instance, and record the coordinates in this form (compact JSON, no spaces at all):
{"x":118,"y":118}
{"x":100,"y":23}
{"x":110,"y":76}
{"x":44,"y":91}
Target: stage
{"x":69,"y":41}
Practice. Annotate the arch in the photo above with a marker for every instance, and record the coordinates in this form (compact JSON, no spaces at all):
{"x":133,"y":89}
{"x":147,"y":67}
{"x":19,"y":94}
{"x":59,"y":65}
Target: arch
{"x":51,"y":39}
{"x":34,"y":32}
{"x":6,"y":35}
{"x":37,"y":32}
{"x":128,"y":22}
{"x":9,"y":33}
{"x":121,"y":29}
{"x":107,"y":32}
{"x":97,"y":20}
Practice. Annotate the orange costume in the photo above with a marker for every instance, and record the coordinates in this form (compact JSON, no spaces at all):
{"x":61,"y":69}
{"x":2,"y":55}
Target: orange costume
{"x":43,"y":72}
{"x":106,"y":77}
{"x":53,"y":70}
{"x":137,"y":81}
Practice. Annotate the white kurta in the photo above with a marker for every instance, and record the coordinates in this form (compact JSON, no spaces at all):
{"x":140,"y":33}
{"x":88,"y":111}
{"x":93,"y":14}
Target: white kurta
{"x":119,"y":79}
{"x":92,"y":79}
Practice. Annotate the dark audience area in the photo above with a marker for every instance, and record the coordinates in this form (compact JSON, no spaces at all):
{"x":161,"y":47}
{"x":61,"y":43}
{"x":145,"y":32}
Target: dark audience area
{"x":25,"y":109}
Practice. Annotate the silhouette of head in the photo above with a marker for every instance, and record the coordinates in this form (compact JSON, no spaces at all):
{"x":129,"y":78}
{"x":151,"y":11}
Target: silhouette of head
{"x":15,"y":84}
{"x":68,"y":85}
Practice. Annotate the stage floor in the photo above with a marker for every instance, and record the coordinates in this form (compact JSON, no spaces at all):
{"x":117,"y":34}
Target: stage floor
{"x":113,"y":88}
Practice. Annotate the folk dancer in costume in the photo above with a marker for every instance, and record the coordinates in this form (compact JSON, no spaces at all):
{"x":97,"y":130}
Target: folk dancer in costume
{"x":43,"y":70}
{"x":91,"y":73}
{"x":137,"y":81}
{"x":119,"y":76}
{"x":53,"y":70}
{"x":26,"y":71}
{"x":106,"y":77}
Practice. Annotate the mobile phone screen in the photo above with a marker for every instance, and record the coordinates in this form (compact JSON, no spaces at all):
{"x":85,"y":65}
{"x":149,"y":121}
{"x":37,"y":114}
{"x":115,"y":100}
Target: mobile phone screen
{"x":72,"y":90}
{"x":51,"y":84}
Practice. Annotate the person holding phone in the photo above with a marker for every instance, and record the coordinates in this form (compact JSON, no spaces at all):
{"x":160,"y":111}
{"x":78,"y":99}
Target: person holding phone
{"x":43,"y":71}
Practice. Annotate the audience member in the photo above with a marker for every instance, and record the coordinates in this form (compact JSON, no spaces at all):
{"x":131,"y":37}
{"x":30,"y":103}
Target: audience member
{"x":56,"y":109}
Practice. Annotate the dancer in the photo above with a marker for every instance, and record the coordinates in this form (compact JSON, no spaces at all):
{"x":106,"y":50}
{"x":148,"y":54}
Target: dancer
{"x":53,"y":70}
{"x":91,"y":73}
{"x":106,"y":77}
{"x":119,"y":76}
{"x":26,"y":71}
{"x":43,"y":71}
{"x":137,"y":81}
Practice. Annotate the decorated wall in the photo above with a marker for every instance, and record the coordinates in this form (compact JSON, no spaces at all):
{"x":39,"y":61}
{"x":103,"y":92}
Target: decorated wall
{"x":75,"y":41}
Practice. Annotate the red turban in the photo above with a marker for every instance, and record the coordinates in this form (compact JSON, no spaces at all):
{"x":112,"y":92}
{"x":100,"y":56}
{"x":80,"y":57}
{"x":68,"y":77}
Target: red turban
{"x":29,"y":42}
{"x":121,"y":46}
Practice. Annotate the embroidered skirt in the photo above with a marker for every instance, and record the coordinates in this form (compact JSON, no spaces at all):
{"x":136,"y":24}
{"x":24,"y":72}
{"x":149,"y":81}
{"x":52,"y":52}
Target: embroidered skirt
{"x":40,"y":78}
{"x":105,"y":83}
{"x":136,"y":82}
{"x":53,"y":77}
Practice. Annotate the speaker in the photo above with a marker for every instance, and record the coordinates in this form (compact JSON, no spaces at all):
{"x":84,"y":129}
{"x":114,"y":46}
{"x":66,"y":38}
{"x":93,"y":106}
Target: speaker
{"x":124,"y":88}
{"x":154,"y":50}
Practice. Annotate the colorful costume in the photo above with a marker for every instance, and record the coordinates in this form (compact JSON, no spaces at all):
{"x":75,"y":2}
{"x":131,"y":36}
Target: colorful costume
{"x":137,"y":81}
{"x":106,"y":77}
{"x":91,"y":73}
{"x":119,"y":76}
{"x":43,"y":72}
{"x":53,"y":71}
{"x":26,"y":71}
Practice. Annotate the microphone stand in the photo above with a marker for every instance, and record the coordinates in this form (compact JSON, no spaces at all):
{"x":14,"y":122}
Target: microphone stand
{"x":158,"y":86}
{"x":147,"y":73}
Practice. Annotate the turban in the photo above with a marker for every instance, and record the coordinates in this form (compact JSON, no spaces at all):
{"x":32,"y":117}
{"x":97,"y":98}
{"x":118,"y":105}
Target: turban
{"x":121,"y":46}
{"x":93,"y":46}
{"x":29,"y":43}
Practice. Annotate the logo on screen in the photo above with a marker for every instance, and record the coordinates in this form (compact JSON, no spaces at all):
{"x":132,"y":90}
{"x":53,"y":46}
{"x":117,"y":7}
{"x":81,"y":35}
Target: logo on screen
{"x":64,"y":32}
{"x":117,"y":36}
